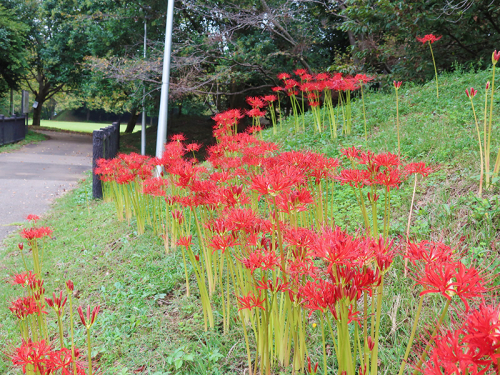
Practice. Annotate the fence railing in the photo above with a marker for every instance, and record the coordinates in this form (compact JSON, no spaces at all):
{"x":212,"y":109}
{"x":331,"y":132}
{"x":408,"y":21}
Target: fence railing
{"x":12,"y":129}
{"x":106,"y":143}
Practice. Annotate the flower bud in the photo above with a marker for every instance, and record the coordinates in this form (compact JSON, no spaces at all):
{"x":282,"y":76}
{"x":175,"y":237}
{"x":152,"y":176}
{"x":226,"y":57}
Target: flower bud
{"x":495,"y":57}
{"x":487,"y":85}
{"x":70,"y":286}
{"x":20,"y":245}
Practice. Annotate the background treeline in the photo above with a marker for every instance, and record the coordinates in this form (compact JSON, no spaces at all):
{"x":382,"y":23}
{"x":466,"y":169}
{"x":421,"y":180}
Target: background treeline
{"x":89,"y":54}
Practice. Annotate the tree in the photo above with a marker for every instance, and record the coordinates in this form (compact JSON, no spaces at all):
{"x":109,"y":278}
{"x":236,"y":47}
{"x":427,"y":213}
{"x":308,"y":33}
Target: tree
{"x":55,"y":45}
{"x":12,"y":49}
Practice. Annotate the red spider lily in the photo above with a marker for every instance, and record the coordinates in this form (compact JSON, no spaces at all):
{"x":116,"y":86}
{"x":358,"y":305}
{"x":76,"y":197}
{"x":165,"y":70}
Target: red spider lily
{"x":70,"y":286}
{"x":32,"y":233}
{"x":255,"y":102}
{"x":33,"y":354}
{"x":178,"y":216}
{"x":57,"y":303}
{"x":250,"y":301}
{"x":275,"y":181}
{"x":418,"y":168}
{"x":185,"y":241}
{"x":278,"y":89}
{"x":482,"y":332}
{"x":307,"y":77}
{"x":261,"y":259}
{"x":256,"y":112}
{"x":20,"y":245}
{"x":382,"y":250}
{"x":336,"y":247}
{"x":284,"y":76}
{"x":387,"y":160}
{"x":351,"y":153}
{"x":25,"y":306}
{"x":274,"y":287}
{"x":270,"y":98}
{"x":177,"y":137}
{"x":390,"y":179}
{"x":429,"y":38}
{"x":193,"y":147}
{"x":90,"y":318}
{"x":299,"y":72}
{"x":155,"y":187}
{"x":63,"y":360}
{"x":318,"y":295}
{"x":24,"y":279}
{"x":222,"y":242}
{"x":354,"y":177}
{"x":254,"y":129}
{"x":449,"y":279}
{"x":429,"y":252}
{"x":33,"y":218}
{"x":322,"y":76}
{"x":310,"y":368}
{"x":472,"y":93}
{"x":397,"y":84}
{"x":363,"y":78}
{"x":495,"y":57}
{"x":294,"y":201}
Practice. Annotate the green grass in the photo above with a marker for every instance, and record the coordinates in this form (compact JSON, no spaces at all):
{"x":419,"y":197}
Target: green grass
{"x":31,"y":137}
{"x":82,"y":127}
{"x":147,"y":320}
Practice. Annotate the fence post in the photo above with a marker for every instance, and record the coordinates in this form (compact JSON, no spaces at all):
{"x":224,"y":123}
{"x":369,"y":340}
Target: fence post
{"x":97,"y":138}
{"x":117,"y":136}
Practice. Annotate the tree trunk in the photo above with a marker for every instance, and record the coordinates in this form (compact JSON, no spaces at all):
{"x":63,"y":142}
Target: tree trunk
{"x":133,"y":120}
{"x":37,"y":114}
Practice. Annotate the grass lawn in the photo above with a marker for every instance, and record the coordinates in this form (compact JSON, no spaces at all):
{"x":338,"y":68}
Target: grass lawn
{"x":31,"y":137}
{"x":83,"y":127}
{"x":147,"y":323}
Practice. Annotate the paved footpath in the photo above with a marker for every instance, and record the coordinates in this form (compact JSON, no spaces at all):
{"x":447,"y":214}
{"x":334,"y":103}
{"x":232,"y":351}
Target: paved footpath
{"x":33,"y":176}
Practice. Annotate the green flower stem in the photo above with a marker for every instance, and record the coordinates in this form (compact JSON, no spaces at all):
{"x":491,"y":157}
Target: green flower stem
{"x":59,"y":323}
{"x":397,"y":121}
{"x":89,"y":355}
{"x":412,"y":336}
{"x":374,"y":359}
{"x":408,"y":224}
{"x":479,"y":194}
{"x":247,"y":345}
{"x":364,"y":111}
{"x":322,"y":320}
{"x":71,"y":324}
{"x":487,"y":151}
{"x":423,"y":357}
{"x":435,"y":70}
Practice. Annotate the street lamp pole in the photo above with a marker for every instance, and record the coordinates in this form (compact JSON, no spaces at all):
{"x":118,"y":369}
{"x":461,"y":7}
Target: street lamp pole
{"x":143,"y":126}
{"x":163,"y":115}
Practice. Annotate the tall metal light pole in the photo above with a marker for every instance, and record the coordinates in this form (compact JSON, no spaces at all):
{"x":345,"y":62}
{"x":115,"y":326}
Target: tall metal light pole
{"x":161,"y":136}
{"x":143,"y":126}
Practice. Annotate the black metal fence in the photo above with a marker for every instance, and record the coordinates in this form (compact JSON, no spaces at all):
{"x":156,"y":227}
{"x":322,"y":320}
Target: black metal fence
{"x":106,"y":143}
{"x":12,"y":129}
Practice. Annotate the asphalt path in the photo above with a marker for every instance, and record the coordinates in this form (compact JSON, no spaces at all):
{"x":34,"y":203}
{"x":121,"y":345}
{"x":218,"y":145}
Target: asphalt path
{"x":33,"y":176}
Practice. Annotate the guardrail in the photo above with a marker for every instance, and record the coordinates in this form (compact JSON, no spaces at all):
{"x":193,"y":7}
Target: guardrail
{"x":106,"y":142}
{"x":12,"y":129}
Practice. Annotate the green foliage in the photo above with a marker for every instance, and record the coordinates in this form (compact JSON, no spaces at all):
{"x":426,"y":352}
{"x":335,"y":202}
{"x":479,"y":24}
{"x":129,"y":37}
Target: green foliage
{"x":12,"y":51}
{"x":386,"y":31}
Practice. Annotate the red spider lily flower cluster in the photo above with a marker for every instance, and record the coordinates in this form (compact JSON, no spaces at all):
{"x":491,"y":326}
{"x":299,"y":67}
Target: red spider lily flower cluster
{"x":36,"y":355}
{"x":36,"y":233}
{"x":88,"y":320}
{"x":397,"y":84}
{"x":262,"y":215}
{"x":472,"y":348}
{"x":429,"y":38}
{"x":43,"y":359}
